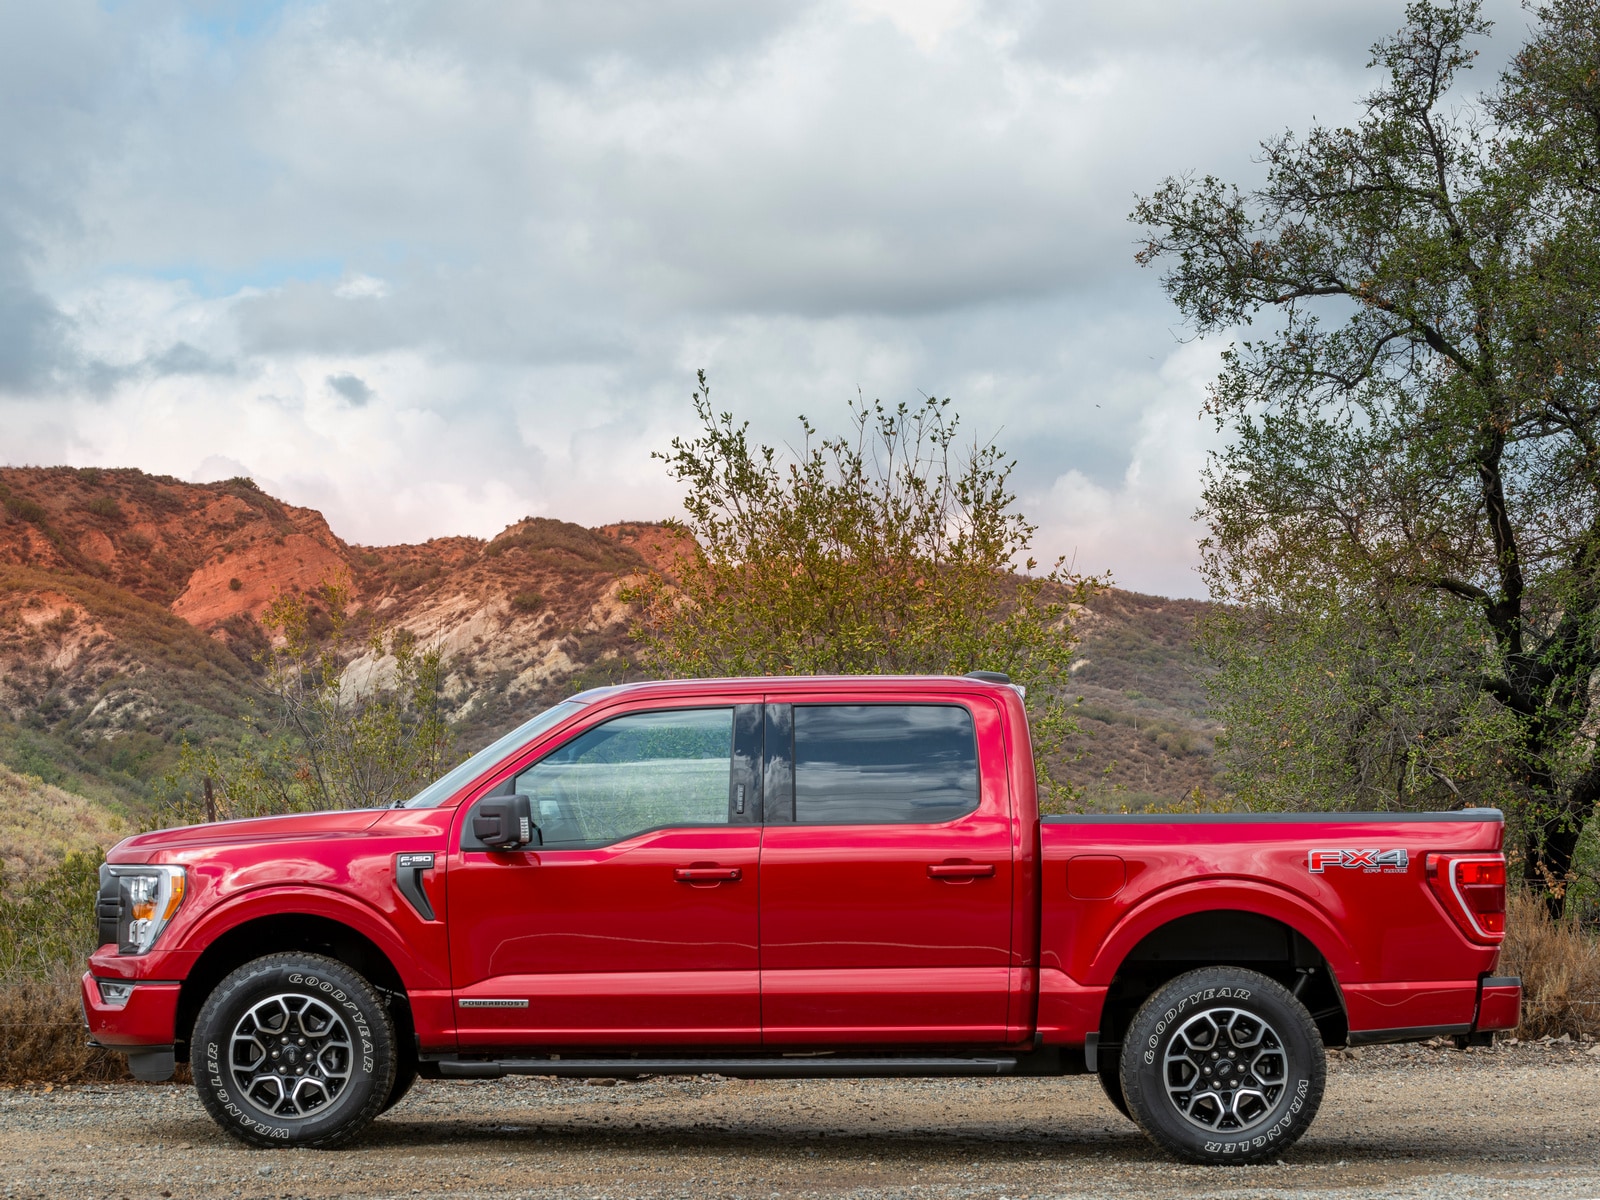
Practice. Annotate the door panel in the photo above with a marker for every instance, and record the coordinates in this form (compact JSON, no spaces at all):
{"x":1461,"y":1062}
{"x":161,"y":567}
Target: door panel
{"x":888,"y":933}
{"x":607,"y":946}
{"x":613,"y":932}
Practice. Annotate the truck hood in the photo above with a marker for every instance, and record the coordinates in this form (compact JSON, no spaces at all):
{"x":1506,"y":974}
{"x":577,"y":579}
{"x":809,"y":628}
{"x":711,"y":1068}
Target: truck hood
{"x":292,"y":827}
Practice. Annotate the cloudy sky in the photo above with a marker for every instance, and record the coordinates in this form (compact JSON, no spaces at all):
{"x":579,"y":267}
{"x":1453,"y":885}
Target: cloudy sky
{"x":431,"y":267}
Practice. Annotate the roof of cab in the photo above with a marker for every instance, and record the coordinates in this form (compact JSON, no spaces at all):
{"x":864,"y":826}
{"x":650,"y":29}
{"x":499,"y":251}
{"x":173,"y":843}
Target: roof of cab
{"x":809,"y":683}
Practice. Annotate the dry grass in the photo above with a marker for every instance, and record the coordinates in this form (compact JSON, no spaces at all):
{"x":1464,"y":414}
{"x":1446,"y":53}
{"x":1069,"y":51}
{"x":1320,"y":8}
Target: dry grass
{"x":41,"y":824}
{"x":42,"y":1035}
{"x":1559,"y":963}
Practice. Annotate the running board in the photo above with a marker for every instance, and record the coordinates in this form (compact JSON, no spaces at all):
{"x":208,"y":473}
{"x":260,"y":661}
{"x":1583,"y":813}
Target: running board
{"x":799,"y":1067}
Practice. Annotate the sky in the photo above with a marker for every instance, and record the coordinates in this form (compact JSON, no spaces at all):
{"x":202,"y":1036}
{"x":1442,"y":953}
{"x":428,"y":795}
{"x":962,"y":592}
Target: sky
{"x":432,"y":267}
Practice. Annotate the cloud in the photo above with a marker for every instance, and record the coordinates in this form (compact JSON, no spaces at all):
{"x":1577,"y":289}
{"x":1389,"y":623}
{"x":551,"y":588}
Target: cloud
{"x":1140,"y":524}
{"x":465,"y":255}
{"x":352,"y":387}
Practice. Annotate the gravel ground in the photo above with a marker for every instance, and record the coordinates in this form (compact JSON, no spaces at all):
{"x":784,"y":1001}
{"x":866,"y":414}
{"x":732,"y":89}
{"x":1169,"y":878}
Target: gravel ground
{"x":1396,"y":1122}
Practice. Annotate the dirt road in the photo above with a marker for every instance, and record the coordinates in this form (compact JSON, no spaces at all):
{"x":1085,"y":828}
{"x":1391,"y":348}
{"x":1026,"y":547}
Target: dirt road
{"x":1397,"y":1122}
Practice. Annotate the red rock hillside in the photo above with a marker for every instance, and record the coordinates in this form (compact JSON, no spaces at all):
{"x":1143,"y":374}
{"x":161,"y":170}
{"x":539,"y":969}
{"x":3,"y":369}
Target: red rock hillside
{"x":130,"y":606}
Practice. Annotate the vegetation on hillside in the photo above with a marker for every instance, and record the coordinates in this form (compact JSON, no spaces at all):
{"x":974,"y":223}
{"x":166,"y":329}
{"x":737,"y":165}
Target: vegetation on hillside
{"x":324,"y":742}
{"x":1406,"y":518}
{"x":40,"y":824}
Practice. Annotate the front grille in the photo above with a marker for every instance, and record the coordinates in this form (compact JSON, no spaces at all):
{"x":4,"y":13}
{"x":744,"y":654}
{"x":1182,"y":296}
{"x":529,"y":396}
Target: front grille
{"x":108,"y":907}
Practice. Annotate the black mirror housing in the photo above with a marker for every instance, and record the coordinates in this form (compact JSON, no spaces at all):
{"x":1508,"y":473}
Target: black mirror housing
{"x":504,"y":823}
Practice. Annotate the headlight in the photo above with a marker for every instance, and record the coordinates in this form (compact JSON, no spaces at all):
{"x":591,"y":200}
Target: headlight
{"x":136,"y":903}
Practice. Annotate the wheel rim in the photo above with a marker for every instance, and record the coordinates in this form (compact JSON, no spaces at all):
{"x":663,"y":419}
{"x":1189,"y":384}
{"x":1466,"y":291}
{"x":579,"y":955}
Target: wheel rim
{"x":1225,"y":1070}
{"x":290,"y":1056}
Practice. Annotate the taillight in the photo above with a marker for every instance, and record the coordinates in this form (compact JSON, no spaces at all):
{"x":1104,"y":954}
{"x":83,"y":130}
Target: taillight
{"x":1472,"y":889}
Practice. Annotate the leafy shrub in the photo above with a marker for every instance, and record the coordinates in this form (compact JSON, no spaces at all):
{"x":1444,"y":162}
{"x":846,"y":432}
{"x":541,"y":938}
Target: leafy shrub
{"x":26,"y":510}
{"x":527,"y":602}
{"x":105,"y":506}
{"x":50,"y":922}
{"x":235,"y":585}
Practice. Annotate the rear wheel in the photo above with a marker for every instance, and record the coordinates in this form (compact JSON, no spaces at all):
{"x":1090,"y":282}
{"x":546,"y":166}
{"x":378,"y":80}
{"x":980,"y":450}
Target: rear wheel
{"x":1223,"y":1065}
{"x":294,"y":1050}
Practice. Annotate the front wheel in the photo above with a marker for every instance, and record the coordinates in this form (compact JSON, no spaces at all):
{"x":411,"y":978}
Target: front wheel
{"x":1223,"y":1065}
{"x":294,"y":1050}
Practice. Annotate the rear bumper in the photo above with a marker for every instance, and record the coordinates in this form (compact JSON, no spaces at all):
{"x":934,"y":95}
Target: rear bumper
{"x":1412,"y":1012}
{"x":146,"y":1019}
{"x":1499,"y":1003}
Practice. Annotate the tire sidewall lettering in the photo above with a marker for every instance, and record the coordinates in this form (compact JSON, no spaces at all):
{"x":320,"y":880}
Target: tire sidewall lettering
{"x":1184,"y":1008}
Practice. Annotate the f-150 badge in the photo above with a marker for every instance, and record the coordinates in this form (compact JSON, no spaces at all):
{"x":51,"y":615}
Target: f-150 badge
{"x":1371,"y":862}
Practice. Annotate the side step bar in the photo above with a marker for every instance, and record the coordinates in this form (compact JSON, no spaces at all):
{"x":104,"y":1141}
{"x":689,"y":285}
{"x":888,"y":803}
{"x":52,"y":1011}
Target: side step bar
{"x":879,"y":1067}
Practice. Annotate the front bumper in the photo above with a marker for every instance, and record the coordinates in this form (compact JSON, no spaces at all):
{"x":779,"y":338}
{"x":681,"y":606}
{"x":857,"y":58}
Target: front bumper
{"x":146,"y":1020}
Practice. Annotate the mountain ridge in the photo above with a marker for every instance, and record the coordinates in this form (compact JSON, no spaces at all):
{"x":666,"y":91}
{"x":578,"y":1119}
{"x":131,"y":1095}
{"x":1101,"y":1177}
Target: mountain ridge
{"x":131,"y":606}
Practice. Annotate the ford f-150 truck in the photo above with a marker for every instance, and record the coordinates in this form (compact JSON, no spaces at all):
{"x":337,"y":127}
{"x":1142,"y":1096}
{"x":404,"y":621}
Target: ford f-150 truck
{"x":803,"y":877}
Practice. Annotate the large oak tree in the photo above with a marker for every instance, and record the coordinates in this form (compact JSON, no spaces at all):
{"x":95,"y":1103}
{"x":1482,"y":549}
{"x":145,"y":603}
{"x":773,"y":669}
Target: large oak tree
{"x":1407,"y":512}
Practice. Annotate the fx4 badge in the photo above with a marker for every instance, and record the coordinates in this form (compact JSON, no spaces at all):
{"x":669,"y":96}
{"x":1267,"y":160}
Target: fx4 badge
{"x":1372,"y":862}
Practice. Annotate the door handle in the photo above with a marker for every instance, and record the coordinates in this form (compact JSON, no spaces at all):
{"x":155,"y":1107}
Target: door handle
{"x":959,"y":870}
{"x":707,"y":874}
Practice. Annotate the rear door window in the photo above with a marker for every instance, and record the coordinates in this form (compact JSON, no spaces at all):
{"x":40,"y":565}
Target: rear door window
{"x":883,"y":764}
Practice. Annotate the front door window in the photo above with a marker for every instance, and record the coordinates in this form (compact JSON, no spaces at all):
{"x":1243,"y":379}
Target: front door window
{"x":649,"y":770}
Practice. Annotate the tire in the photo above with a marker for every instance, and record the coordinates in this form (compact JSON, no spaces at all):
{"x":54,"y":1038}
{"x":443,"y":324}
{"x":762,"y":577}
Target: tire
{"x":329,"y":1034}
{"x":1111,"y":1085}
{"x":405,"y":1074}
{"x":1263,"y":1047}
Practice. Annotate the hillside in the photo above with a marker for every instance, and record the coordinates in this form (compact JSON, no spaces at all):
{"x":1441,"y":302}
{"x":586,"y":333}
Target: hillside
{"x":1145,"y":736}
{"x":39,"y":824}
{"x":130,"y":607}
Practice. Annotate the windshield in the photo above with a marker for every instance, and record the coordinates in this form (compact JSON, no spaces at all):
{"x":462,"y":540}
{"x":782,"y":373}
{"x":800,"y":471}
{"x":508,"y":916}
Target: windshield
{"x":442,"y":789}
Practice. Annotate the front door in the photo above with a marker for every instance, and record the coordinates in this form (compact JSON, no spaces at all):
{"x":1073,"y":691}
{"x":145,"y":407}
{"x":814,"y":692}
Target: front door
{"x":635,"y":921}
{"x":886,"y":905}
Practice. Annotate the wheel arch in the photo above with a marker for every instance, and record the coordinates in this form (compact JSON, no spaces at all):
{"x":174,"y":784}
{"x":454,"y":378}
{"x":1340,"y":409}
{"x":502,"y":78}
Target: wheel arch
{"x":1224,"y":927}
{"x":286,"y":932}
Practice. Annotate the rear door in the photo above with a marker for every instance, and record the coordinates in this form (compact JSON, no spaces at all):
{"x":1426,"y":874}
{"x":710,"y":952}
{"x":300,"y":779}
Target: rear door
{"x":634,"y":923}
{"x":886,"y":873}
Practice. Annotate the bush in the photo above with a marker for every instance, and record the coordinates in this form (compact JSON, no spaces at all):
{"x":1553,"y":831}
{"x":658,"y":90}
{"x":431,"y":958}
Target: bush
{"x":105,"y":506}
{"x":25,"y":509}
{"x":41,"y":1033}
{"x":51,"y":921}
{"x":1559,"y":962}
{"x":527,"y":602}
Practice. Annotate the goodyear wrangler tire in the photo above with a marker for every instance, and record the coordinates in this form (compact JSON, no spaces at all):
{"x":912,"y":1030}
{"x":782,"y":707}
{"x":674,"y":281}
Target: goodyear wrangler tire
{"x":294,"y":1050}
{"x":1111,"y":1085}
{"x":1223,"y":1065}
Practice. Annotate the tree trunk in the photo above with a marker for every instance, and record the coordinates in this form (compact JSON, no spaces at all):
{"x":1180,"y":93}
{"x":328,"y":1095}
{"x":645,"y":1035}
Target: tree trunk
{"x":1553,"y":841}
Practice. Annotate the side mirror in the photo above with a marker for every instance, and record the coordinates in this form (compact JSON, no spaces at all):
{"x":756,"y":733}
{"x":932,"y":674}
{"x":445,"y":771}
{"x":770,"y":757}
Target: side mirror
{"x":504,"y":823}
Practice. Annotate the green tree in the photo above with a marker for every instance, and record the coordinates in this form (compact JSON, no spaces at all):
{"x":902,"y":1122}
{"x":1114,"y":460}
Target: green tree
{"x":887,"y":551}
{"x":1407,"y":513}
{"x":325,"y":742}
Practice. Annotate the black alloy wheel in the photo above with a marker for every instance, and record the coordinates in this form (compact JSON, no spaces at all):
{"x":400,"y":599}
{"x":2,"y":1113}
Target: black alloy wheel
{"x":1223,"y":1065}
{"x":294,"y":1050}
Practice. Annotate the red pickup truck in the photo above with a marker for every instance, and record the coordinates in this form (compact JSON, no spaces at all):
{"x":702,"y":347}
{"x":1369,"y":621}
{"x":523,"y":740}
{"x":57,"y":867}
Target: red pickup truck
{"x":808,"y":877}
